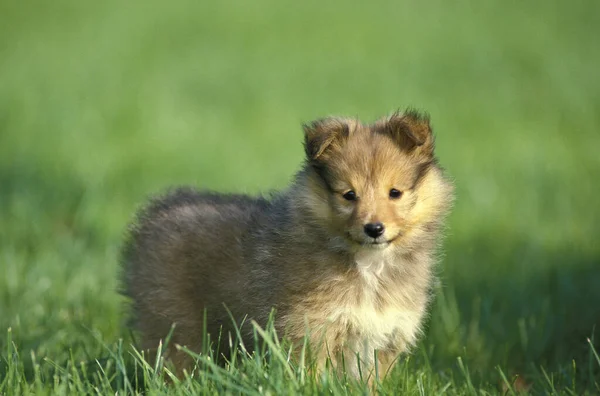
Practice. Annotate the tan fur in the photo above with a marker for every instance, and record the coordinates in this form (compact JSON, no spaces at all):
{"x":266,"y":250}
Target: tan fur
{"x":303,"y":252}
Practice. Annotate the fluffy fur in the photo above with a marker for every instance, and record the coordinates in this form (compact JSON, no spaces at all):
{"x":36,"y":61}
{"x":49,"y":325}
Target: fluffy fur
{"x":304,"y":251}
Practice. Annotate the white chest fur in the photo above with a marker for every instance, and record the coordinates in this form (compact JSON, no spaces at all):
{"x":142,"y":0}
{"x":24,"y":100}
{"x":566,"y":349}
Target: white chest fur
{"x":382,"y":319}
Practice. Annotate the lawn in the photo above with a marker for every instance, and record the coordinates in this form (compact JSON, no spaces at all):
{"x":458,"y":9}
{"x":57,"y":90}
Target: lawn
{"x":105,"y":103}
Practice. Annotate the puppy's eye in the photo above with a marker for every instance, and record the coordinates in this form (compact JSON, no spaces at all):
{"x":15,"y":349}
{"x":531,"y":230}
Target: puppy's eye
{"x":349,"y":196}
{"x":395,"y":194}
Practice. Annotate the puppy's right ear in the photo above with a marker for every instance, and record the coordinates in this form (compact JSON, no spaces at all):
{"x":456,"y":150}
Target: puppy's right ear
{"x":323,"y":136}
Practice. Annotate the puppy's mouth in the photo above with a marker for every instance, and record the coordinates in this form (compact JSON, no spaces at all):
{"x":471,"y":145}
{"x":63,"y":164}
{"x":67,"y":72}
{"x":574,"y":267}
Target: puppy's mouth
{"x":376,"y":243}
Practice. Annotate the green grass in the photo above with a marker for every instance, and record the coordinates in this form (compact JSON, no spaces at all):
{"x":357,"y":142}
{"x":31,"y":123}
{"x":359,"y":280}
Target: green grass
{"x":103,"y":103}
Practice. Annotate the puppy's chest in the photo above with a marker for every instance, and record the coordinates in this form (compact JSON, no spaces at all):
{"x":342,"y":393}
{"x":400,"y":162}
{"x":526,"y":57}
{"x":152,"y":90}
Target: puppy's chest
{"x":364,"y":325}
{"x":382,"y":318}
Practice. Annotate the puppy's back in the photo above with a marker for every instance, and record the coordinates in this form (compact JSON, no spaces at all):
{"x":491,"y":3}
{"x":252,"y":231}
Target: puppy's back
{"x":183,"y":254}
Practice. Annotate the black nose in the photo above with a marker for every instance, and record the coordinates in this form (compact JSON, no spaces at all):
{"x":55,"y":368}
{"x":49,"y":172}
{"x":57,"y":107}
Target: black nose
{"x":374,"y":230}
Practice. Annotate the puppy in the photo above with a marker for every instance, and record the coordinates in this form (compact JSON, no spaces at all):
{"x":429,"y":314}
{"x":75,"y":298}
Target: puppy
{"x":345,"y":255}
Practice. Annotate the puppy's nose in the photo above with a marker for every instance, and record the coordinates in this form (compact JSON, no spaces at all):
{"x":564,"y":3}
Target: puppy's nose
{"x":374,"y":230}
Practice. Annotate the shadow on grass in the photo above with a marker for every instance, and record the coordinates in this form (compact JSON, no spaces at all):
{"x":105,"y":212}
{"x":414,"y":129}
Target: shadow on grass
{"x":509,"y":303}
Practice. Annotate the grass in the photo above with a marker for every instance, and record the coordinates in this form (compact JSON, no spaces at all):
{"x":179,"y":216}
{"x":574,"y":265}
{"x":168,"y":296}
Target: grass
{"x":104,"y":103}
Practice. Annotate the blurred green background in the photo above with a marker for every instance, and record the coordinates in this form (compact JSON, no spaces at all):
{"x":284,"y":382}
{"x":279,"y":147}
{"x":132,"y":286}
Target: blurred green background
{"x":104,"y":103}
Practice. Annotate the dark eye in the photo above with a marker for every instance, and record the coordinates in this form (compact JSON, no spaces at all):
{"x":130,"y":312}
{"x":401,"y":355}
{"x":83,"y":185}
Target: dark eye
{"x":395,"y":194}
{"x":350,"y":196}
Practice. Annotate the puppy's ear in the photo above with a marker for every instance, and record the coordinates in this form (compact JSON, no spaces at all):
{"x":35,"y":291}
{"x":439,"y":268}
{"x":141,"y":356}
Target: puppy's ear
{"x":411,"y":130}
{"x":324,"y":135}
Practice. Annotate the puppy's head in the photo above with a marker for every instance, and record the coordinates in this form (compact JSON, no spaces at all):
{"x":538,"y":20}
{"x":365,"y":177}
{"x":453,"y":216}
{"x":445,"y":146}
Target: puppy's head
{"x":372,"y":184}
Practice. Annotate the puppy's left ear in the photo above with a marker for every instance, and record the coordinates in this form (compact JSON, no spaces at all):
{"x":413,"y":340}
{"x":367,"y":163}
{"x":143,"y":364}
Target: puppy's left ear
{"x":411,"y":130}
